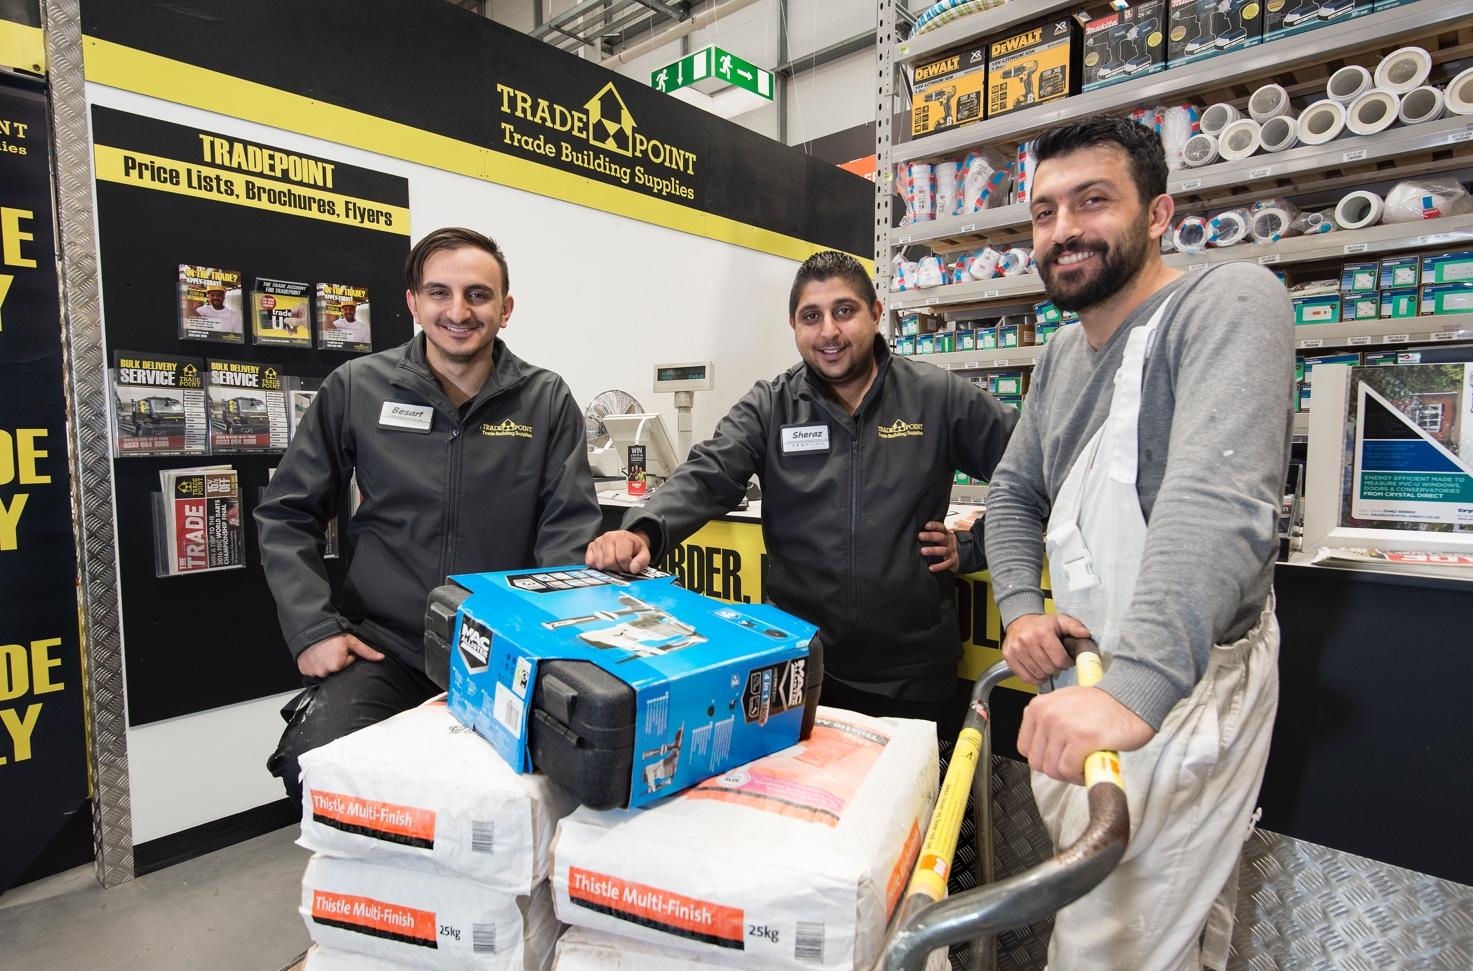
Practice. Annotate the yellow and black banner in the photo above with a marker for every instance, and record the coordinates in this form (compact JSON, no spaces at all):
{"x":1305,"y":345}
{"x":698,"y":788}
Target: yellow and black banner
{"x":513,"y":111}
{"x":43,"y":770}
{"x":22,"y":43}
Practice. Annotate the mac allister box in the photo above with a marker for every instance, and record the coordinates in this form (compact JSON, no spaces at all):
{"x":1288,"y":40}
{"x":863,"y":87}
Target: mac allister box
{"x":715,"y":685}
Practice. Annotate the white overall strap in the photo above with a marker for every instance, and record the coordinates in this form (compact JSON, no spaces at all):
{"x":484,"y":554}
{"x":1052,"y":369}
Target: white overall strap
{"x":1121,"y":445}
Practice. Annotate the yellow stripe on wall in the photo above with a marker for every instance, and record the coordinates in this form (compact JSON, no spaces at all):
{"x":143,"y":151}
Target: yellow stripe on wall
{"x":22,"y":47}
{"x":160,"y":77}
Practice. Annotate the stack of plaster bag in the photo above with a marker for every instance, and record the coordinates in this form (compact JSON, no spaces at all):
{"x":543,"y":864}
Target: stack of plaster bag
{"x":795,"y":860}
{"x":430,"y":851}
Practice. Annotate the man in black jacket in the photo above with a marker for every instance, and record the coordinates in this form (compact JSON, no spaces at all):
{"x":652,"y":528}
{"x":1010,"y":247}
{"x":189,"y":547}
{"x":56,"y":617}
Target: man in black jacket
{"x":856,"y":451}
{"x":467,"y":458}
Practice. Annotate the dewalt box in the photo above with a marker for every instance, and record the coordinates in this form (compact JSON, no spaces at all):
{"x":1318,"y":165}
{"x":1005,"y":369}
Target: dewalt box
{"x":1038,"y":64}
{"x":949,"y":90}
{"x":1204,"y":28}
{"x":621,"y":689}
{"x":1124,"y":44}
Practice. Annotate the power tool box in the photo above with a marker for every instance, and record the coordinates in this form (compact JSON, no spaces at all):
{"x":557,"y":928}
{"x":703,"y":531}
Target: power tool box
{"x":949,"y":90}
{"x":1036,"y":64}
{"x":622,"y":689}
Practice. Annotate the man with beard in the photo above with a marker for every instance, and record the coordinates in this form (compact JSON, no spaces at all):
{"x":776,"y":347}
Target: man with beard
{"x":467,"y":458}
{"x":1153,"y":444}
{"x":855,"y":450}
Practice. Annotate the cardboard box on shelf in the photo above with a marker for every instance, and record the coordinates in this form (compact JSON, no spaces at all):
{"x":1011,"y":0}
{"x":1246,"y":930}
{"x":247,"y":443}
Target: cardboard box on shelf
{"x":1398,"y":272}
{"x":1447,"y":298}
{"x":1205,"y":28}
{"x":1284,"y":18}
{"x":1317,"y":308}
{"x":1034,"y":65}
{"x":949,"y":90}
{"x":1361,"y":306}
{"x":1447,"y":268}
{"x":1124,"y":44}
{"x":1396,"y":304}
{"x":1360,"y":277}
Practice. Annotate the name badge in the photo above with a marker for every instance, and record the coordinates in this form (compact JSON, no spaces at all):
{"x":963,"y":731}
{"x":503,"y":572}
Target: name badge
{"x":414,"y":418}
{"x":805,"y":438}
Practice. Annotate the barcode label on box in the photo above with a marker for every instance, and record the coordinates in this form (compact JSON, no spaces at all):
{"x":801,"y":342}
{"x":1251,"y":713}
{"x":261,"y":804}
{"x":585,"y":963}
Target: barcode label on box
{"x":1269,"y":258}
{"x":508,"y":710}
{"x":1398,"y":338}
{"x":1357,"y":341}
{"x":483,"y":837}
{"x":1355,"y":155}
{"x":808,"y":942}
{"x":1356,"y":248}
{"x":483,"y":938}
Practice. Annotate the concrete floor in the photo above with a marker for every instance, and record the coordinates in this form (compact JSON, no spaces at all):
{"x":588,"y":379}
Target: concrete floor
{"x":233,"y":910}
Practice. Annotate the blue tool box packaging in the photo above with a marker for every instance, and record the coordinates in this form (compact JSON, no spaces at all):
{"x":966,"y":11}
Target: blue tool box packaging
{"x":626,"y":689}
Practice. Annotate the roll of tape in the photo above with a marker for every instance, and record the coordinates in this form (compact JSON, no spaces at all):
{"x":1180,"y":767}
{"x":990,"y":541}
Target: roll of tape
{"x":1015,"y":261}
{"x":1269,"y":101}
{"x":1239,"y":140}
{"x":1421,"y":105}
{"x":1359,"y":210}
{"x":1216,"y":117}
{"x":1373,"y":112}
{"x":1349,"y":83}
{"x":1230,"y":228}
{"x":1403,"y":70}
{"x":1321,"y":122}
{"x":1192,"y":235}
{"x":1200,"y":150}
{"x":1271,"y":224}
{"x":1279,"y":133}
{"x":1459,"y":94}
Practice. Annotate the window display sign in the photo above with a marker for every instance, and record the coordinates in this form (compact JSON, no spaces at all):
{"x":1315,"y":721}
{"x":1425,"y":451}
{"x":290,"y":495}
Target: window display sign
{"x":43,"y":769}
{"x":1412,"y":460}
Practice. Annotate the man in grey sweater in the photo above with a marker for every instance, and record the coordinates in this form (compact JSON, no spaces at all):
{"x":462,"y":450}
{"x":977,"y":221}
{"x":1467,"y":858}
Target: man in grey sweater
{"x":1153,"y":446}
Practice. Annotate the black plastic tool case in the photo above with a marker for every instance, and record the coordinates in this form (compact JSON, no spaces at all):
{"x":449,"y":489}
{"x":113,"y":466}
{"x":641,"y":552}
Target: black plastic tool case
{"x":581,"y":728}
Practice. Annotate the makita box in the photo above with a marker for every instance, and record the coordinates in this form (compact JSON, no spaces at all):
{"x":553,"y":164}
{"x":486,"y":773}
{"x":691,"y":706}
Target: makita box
{"x":622,"y":689}
{"x":1205,"y":28}
{"x":1125,"y":44}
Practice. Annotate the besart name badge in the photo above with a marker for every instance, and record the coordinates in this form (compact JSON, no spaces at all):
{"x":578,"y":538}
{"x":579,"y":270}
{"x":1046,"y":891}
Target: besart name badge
{"x":805,"y":438}
{"x":414,"y":418}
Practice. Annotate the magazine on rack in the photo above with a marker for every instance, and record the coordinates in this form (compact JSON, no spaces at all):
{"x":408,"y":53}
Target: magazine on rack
{"x":198,"y":520}
{"x":158,"y":404}
{"x":248,"y":407}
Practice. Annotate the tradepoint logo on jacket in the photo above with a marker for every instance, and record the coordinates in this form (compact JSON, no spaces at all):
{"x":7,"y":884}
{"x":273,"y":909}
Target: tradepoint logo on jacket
{"x":901,"y":429}
{"x":507,"y":429}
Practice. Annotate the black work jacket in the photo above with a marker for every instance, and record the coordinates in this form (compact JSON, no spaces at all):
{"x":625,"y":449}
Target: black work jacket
{"x":503,"y":486}
{"x":840,"y":522}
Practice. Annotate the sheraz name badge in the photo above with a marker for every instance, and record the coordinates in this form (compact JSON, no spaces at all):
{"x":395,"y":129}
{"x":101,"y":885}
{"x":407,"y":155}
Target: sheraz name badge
{"x":414,"y":418}
{"x":805,"y":438}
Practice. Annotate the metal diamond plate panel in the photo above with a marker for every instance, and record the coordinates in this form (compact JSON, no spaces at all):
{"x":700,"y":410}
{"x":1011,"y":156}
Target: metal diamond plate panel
{"x":90,"y":446}
{"x":1301,"y":905}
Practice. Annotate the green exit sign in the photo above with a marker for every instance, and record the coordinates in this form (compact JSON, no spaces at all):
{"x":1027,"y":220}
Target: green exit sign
{"x":712,"y":69}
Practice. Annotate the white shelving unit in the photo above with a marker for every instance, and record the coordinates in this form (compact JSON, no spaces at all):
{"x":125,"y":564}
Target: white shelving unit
{"x":1444,"y":145}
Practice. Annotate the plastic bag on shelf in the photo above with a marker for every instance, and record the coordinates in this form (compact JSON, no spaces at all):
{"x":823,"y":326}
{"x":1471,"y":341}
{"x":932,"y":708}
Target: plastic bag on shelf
{"x":1273,"y":220}
{"x":983,"y":265}
{"x":929,"y":272}
{"x":906,"y":188}
{"x":1421,"y":199}
{"x":948,"y":198}
{"x":923,"y":182}
{"x":1023,"y":172}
